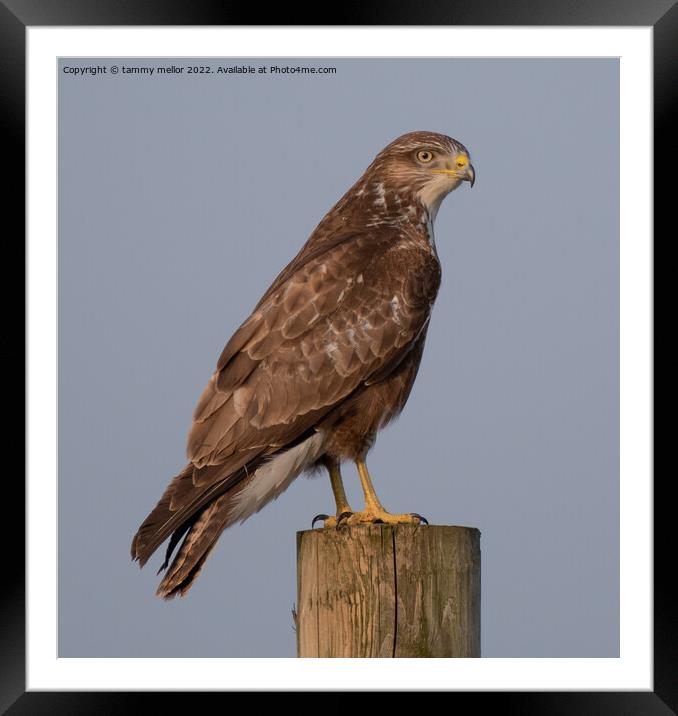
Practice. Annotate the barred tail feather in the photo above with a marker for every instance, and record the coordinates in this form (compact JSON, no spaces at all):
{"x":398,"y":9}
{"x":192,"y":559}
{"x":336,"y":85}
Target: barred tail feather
{"x":157,"y":526}
{"x":241,"y":501}
{"x":198,"y":543}
{"x":191,"y":490}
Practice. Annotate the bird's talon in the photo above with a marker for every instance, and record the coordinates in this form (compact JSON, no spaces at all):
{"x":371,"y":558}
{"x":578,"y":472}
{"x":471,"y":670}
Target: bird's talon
{"x":419,"y":517}
{"x":318,"y":518}
{"x":341,"y":519}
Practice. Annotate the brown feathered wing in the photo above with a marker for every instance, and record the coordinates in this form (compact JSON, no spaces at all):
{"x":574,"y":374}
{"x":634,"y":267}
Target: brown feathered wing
{"x":326,"y":326}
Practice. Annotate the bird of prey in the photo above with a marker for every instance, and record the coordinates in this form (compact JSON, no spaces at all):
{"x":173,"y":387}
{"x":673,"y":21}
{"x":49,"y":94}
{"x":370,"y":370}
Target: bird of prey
{"x":327,"y":358}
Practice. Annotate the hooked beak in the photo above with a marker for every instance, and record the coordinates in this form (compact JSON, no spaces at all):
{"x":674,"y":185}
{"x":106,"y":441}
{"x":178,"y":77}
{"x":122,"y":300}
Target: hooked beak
{"x":468,"y":173}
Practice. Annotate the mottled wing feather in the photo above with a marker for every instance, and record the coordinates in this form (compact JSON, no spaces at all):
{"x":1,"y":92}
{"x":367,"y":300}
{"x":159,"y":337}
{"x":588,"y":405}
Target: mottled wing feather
{"x":275,"y":382}
{"x":320,"y":334}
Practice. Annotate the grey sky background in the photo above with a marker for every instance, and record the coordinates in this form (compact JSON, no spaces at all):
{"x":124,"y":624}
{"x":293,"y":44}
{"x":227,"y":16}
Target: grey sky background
{"x":180,"y":199}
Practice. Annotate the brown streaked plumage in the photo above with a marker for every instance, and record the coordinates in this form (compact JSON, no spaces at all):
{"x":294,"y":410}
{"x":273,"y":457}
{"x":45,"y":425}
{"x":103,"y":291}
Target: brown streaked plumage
{"x":327,"y":358}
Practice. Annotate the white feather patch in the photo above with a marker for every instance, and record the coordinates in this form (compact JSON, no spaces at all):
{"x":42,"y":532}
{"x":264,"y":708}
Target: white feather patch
{"x":274,"y":477}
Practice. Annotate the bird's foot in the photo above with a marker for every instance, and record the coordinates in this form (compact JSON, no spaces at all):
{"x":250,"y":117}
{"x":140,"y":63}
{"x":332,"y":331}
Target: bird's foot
{"x":329,"y":521}
{"x":368,"y":517}
{"x":382,"y":517}
{"x":375,"y":517}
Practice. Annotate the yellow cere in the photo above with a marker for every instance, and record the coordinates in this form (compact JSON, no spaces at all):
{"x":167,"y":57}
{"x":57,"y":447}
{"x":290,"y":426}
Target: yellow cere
{"x":462,"y":161}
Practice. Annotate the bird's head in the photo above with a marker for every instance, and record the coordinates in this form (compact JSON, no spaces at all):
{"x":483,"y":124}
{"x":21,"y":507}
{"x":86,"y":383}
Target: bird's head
{"x":426,"y":165}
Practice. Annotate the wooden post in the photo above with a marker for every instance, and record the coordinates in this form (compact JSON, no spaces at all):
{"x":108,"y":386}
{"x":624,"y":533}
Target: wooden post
{"x":388,"y":591}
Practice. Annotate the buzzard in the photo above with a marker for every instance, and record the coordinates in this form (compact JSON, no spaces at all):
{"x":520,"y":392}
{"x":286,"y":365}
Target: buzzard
{"x":327,"y":358}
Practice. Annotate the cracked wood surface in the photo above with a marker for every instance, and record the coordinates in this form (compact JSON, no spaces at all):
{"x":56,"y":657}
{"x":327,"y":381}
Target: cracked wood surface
{"x":388,"y":591}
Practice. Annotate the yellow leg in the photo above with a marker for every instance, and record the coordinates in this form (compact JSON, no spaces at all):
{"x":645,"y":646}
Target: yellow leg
{"x":374,"y":510}
{"x":371,"y":500}
{"x":338,"y":488}
{"x":343,"y":508}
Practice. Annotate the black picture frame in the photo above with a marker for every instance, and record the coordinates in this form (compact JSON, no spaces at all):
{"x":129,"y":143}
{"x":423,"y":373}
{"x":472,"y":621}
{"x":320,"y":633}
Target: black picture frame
{"x":17,"y":15}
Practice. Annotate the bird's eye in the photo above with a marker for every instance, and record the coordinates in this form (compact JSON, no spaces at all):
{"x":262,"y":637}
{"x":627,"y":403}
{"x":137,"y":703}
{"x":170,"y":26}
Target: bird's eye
{"x":424,"y":156}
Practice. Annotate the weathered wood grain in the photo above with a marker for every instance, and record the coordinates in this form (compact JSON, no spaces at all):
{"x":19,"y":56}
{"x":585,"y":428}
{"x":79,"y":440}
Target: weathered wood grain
{"x":388,"y":591}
